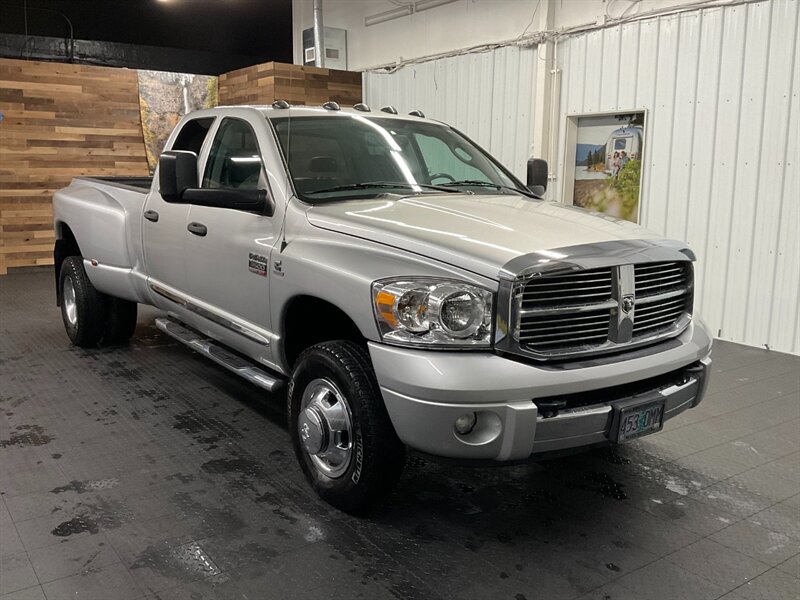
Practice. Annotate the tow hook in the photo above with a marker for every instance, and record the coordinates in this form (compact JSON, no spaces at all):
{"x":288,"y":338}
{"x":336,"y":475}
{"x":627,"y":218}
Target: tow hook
{"x":550,"y":408}
{"x":688,"y":373}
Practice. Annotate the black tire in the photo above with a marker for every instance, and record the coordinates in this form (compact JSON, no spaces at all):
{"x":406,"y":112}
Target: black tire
{"x":84,"y":318}
{"x":377,"y":456}
{"x":120,"y":320}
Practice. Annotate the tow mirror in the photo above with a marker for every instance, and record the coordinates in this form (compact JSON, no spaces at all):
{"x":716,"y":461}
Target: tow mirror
{"x":537,"y":176}
{"x":257,"y":201}
{"x":177,"y":172}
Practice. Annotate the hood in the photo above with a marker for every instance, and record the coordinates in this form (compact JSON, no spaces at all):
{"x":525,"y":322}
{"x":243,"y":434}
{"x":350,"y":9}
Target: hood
{"x":480,"y":233}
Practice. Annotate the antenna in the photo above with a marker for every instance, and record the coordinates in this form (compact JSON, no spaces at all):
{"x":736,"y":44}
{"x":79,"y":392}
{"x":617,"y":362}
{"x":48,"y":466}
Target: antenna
{"x":289,"y":189}
{"x":284,"y":105}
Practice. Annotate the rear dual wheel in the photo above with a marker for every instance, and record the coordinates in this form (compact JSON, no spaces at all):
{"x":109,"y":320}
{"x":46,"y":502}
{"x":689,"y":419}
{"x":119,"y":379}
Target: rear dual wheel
{"x":90,"y":316}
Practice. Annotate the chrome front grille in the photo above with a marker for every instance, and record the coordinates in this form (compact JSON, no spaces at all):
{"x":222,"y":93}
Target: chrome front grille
{"x":579,"y":312}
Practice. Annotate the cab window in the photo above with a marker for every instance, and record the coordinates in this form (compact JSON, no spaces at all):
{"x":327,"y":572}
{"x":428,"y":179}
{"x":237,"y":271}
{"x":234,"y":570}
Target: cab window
{"x":447,"y":163}
{"x":234,"y":161}
{"x":192,"y":135}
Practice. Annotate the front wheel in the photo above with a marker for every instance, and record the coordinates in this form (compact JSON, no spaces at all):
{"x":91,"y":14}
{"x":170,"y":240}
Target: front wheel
{"x":341,"y":432}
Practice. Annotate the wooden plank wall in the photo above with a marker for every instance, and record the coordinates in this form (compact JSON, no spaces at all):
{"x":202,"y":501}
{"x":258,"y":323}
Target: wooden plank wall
{"x":63,"y":120}
{"x":60,"y":120}
{"x":262,"y":84}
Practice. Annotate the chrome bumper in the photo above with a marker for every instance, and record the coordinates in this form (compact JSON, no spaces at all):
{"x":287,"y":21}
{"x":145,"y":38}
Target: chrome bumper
{"x":425,"y":392}
{"x":595,"y":424}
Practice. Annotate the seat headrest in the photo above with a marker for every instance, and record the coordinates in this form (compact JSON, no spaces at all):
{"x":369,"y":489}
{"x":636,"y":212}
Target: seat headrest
{"x":242,"y":168}
{"x":323,"y":164}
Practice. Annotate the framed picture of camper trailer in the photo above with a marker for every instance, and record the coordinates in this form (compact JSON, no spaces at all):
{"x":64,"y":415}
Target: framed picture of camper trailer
{"x":603,"y":162}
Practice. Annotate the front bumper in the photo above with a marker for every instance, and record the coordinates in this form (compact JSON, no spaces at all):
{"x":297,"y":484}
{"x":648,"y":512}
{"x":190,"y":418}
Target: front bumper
{"x":426,"y":391}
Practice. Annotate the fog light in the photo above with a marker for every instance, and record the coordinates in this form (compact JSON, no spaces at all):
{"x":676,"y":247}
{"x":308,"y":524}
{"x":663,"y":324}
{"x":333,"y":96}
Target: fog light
{"x":466,"y":423}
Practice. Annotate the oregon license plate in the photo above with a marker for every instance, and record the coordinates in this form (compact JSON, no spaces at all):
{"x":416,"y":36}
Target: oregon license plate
{"x":640,"y":420}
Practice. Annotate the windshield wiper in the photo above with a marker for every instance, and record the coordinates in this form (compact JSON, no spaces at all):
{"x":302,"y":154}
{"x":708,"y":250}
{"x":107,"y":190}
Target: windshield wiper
{"x":476,"y":183}
{"x":381,"y":184}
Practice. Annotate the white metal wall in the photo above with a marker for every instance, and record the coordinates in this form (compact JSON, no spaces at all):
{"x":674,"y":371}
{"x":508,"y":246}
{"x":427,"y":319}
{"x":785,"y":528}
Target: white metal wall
{"x":722,"y":156}
{"x":488,"y":96}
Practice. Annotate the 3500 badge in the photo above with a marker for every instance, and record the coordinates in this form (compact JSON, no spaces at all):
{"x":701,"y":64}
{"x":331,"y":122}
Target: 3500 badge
{"x":257,"y":264}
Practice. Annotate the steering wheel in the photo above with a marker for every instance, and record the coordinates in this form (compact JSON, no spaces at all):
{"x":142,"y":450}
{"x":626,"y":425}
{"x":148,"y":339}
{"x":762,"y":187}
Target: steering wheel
{"x":441,"y":176}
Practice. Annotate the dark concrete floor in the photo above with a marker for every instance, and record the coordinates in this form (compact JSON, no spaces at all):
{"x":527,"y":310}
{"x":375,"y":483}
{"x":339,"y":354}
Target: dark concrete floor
{"x":147,"y":472}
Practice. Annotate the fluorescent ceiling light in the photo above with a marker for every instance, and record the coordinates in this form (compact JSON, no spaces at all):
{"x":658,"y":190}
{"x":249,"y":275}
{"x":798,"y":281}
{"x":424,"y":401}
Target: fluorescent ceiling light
{"x":421,"y":5}
{"x":395,"y":13}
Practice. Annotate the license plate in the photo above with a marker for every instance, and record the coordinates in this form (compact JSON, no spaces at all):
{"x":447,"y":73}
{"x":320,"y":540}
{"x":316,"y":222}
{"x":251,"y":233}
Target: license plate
{"x":637,"y":421}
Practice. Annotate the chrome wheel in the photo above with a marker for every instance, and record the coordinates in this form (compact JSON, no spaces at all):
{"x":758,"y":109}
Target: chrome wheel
{"x":325,"y":426}
{"x":70,"y":304}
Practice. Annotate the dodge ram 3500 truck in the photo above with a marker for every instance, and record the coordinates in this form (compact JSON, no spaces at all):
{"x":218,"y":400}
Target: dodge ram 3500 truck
{"x":404,"y":285}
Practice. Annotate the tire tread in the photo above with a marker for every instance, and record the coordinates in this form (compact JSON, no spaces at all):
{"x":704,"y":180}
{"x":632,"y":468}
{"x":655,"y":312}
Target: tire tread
{"x":90,"y":305}
{"x":120,"y":320}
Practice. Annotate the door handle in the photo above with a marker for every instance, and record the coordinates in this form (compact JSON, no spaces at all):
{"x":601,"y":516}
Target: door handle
{"x":151,"y":215}
{"x":197,"y":228}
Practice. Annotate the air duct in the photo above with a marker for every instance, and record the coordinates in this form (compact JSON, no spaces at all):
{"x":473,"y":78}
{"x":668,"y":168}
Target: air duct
{"x":319,"y":35}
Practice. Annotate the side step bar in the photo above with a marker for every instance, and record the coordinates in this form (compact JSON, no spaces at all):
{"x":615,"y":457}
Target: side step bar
{"x":220,"y":355}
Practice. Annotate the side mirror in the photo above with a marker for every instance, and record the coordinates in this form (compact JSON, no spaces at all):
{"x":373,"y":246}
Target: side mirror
{"x":177,"y":171}
{"x":257,"y":201}
{"x":537,"y":176}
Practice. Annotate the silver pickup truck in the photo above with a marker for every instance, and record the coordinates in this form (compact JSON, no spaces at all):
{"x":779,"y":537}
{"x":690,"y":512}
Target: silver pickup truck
{"x":404,"y":285}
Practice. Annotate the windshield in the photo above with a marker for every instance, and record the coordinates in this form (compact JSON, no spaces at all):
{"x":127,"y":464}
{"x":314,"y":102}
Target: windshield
{"x":354,"y":156}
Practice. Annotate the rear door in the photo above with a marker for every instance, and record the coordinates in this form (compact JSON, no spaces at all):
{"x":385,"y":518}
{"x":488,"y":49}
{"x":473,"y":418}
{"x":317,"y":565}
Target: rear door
{"x":164,"y":223}
{"x":228,"y":250}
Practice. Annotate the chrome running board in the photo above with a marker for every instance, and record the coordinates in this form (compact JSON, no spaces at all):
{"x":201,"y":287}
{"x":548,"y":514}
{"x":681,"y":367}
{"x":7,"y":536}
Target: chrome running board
{"x":219,"y":354}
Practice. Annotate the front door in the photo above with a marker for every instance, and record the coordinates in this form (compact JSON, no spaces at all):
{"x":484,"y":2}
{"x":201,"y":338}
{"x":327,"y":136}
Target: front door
{"x":227,"y":250}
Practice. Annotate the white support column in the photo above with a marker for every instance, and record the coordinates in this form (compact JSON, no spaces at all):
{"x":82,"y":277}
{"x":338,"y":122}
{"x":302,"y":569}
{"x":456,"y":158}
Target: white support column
{"x":542,"y":103}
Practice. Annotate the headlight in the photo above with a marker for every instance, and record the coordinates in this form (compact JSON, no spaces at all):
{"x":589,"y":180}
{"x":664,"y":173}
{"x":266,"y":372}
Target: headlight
{"x":432,"y":312}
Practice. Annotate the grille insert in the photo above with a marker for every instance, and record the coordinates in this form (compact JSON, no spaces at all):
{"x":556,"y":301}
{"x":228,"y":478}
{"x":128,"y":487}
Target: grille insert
{"x":547,"y":332}
{"x":658,"y":278}
{"x":583,"y":312}
{"x":579,"y":287}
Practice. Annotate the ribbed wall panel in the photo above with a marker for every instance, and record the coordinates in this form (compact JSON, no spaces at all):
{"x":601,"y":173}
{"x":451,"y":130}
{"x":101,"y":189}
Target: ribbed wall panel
{"x":489,"y":96}
{"x":722,"y":145}
{"x":720,"y":87}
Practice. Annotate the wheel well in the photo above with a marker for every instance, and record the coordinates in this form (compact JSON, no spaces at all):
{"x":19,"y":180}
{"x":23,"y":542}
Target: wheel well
{"x":66,"y":246}
{"x":309,"y":320}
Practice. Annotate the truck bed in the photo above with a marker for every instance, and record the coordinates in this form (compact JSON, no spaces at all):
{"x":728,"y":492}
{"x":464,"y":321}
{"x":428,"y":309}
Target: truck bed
{"x":137,"y":184}
{"x":105,"y":215}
